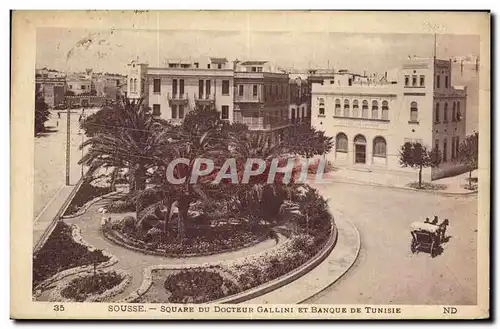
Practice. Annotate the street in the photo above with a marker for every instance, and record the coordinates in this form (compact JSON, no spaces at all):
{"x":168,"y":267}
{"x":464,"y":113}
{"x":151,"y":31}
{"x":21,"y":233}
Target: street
{"x":50,"y":157}
{"x":386,"y":272}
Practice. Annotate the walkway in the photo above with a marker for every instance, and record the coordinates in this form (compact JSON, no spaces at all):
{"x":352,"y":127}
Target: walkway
{"x":454,"y":185}
{"x":135,"y":262}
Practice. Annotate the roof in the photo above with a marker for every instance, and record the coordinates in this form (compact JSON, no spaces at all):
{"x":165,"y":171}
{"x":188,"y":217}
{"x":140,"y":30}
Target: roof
{"x":218,"y":60}
{"x":419,"y":226}
{"x":254,"y":62}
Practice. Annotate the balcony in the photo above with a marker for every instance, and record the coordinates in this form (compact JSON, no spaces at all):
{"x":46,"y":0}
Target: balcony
{"x":204,"y":100}
{"x":247,"y":98}
{"x":177,"y":99}
{"x":263,"y":124}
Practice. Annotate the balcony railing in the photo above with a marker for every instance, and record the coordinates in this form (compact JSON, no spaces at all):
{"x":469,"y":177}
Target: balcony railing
{"x":248,"y":98}
{"x":177,"y":98}
{"x":204,"y":99}
{"x":261,"y":123}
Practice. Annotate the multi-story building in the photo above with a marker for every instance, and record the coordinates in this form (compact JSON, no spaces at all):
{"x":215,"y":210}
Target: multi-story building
{"x":109,"y":86}
{"x":300,"y":99}
{"x":371,"y":117}
{"x":261,"y":97}
{"x":51,"y":85}
{"x":79,"y":83}
{"x":180,"y":86}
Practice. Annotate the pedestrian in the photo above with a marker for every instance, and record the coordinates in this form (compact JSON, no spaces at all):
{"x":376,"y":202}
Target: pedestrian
{"x":427,"y":220}
{"x":435,"y":220}
{"x":59,"y":115}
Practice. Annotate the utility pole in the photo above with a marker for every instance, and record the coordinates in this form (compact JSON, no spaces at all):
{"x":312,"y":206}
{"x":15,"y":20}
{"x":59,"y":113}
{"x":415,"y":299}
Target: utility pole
{"x":83,"y":135}
{"x":68,"y":148}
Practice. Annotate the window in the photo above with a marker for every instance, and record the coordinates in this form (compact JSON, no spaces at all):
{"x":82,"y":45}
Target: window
{"x":181,"y":86}
{"x":156,"y":85}
{"x":117,"y":82}
{"x":422,"y":80}
{"x":259,"y":69}
{"x":219,"y":66}
{"x":457,"y":144}
{"x":240,"y":90}
{"x":341,"y":143}
{"x":364,"y":110}
{"x":445,"y":115}
{"x":225,"y":87}
{"x":436,"y":118}
{"x":293,"y":115}
{"x":71,"y":86}
{"x":413,"y":112}
{"x":413,"y":80}
{"x":156,"y":109}
{"x":332,"y":82}
{"x":355,"y":108}
{"x":254,"y":90}
{"x":374,"y":110}
{"x":208,"y":66}
{"x":196,"y":65}
{"x":438,"y":81}
{"x":135,"y":85}
{"x":181,"y":111}
{"x":379,"y":147}
{"x":337,"y":108}
{"x":407,"y":80}
{"x":453,"y":111}
{"x":82,"y":87}
{"x":321,"y":107}
{"x":208,"y":88}
{"x":459,"y":116}
{"x":446,"y":81}
{"x":174,"y":87}
{"x":453,"y":147}
{"x":436,"y":145}
{"x":174,"y":111}
{"x":254,"y":69}
{"x":225,"y":112}
{"x":346,"y":107}
{"x":445,"y":149}
{"x":143,"y":85}
{"x":385,"y":110}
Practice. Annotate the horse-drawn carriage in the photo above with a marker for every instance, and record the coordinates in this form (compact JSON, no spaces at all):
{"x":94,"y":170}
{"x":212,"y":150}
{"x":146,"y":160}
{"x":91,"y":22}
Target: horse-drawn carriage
{"x":428,"y":237}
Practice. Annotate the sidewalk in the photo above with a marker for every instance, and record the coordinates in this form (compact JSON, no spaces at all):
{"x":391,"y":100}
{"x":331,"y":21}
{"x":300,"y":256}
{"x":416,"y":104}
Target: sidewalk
{"x":449,"y":185}
{"x":42,"y":225}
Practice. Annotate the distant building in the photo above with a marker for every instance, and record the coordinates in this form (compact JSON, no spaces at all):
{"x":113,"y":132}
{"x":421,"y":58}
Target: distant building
{"x":110,"y":86}
{"x":371,"y":117}
{"x":79,"y":83}
{"x":300,"y":98}
{"x":51,"y":85}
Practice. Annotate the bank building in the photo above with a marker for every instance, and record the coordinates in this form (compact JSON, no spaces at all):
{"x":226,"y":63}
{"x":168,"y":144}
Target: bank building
{"x":371,"y":117}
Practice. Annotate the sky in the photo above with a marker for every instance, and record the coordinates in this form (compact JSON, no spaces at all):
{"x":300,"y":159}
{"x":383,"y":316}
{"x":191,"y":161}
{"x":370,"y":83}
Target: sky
{"x":109,"y":50}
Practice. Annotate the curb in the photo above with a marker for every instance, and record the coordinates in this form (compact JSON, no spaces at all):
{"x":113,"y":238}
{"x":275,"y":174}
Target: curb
{"x":356,"y":182}
{"x":87,"y":205}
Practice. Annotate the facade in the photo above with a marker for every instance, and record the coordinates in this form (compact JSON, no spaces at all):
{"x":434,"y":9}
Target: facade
{"x":51,"y":84}
{"x":300,"y":99}
{"x":80,"y":83}
{"x":109,"y":86}
{"x":371,"y":117}
{"x":262,"y":97}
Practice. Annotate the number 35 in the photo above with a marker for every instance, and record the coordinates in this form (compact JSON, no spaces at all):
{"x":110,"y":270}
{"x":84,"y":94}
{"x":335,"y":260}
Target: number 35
{"x":59,"y":308}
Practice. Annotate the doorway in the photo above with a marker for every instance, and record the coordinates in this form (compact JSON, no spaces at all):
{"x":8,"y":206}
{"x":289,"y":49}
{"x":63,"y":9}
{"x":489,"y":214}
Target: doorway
{"x":360,"y":149}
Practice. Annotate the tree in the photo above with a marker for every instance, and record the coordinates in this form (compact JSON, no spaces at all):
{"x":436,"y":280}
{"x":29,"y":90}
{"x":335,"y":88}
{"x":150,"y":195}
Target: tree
{"x":41,"y":113}
{"x":416,"y":156}
{"x":468,"y":152}
{"x":132,"y":139}
{"x":69,"y":93}
{"x":306,"y":141}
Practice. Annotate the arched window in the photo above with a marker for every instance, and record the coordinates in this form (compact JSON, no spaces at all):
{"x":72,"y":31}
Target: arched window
{"x":355,"y":108}
{"x":293,"y":115}
{"x":131,"y":85}
{"x":454,"y":111}
{"x":445,"y":115}
{"x":459,"y":115}
{"x":360,"y":140}
{"x":379,"y":147}
{"x":374,"y":110}
{"x":414,"y":112}
{"x":364,"y":110}
{"x":337,"y":108}
{"x":341,"y":143}
{"x":346,"y":107}
{"x":135,"y":85}
{"x":436,"y":119}
{"x":321,"y":102}
{"x":385,"y":110}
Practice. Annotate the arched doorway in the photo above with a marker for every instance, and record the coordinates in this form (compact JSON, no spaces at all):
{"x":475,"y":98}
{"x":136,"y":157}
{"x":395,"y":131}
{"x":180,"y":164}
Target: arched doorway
{"x":360,"y":149}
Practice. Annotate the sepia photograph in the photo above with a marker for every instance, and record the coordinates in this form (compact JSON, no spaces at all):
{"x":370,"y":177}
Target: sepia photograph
{"x":253,"y":169}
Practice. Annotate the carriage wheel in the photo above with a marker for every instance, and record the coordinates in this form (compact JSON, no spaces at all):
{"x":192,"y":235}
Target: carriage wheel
{"x":413,"y":246}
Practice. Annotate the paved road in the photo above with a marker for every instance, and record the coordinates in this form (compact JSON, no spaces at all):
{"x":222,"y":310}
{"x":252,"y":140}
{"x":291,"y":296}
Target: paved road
{"x":386,"y":272}
{"x":50,"y":158}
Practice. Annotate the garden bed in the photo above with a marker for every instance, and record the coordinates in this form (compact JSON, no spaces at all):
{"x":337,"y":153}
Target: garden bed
{"x":85,"y":193}
{"x":199,"y":242}
{"x":62,"y":252}
{"x":91,"y":287}
{"x":241,"y":275}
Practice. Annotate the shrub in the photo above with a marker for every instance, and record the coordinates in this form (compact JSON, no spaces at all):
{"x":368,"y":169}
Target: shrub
{"x":127,"y":224}
{"x":61,"y":252}
{"x":120,"y":206}
{"x":82,"y":288}
{"x":85,"y":193}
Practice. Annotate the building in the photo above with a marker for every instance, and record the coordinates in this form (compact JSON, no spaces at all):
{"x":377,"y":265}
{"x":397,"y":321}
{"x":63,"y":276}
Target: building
{"x":262,"y":97}
{"x":80,"y":83}
{"x":109,"y":86}
{"x":371,"y":117}
{"x":300,"y":98}
{"x":51,"y":85}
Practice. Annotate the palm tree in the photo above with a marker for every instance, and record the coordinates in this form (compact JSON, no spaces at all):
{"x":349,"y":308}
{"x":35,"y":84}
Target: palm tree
{"x":135,"y":141}
{"x":41,"y":113}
